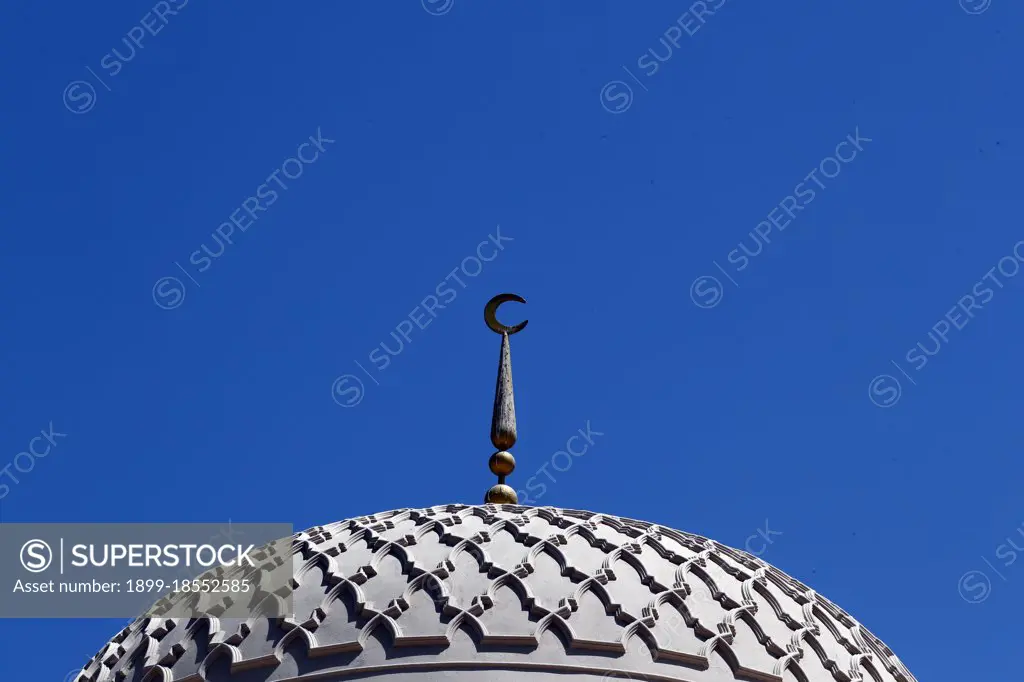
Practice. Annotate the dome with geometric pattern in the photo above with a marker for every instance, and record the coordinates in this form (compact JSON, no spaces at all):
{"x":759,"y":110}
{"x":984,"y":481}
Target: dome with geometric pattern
{"x":505,"y":593}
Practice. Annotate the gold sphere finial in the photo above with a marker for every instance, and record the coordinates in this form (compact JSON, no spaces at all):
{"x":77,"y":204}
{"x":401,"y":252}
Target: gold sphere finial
{"x":502,"y":463}
{"x":501,"y":494}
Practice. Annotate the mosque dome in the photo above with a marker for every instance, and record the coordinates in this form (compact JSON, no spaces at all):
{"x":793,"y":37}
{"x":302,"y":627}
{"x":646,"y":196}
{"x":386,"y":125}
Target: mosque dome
{"x":506,"y":593}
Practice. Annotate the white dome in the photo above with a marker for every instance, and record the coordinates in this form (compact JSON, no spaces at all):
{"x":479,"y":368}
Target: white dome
{"x":503,"y":593}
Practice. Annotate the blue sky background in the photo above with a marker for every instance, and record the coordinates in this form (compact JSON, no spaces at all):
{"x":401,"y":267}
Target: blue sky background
{"x":723,"y":406}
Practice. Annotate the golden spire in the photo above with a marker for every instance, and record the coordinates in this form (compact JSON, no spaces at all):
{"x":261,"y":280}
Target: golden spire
{"x":503,"y":420}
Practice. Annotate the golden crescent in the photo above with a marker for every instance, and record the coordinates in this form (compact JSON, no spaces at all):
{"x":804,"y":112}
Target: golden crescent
{"x":491,"y":314}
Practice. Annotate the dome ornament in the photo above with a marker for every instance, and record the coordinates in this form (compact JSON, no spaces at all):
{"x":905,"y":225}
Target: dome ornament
{"x":491,"y":314}
{"x":503,"y":419}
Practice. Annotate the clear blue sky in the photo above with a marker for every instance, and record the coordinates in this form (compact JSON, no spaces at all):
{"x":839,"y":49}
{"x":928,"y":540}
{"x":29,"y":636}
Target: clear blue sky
{"x":620,"y":204}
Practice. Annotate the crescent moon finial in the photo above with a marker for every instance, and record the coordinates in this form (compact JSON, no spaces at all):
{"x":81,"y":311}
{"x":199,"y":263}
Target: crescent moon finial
{"x":503,"y":419}
{"x":491,"y":314}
